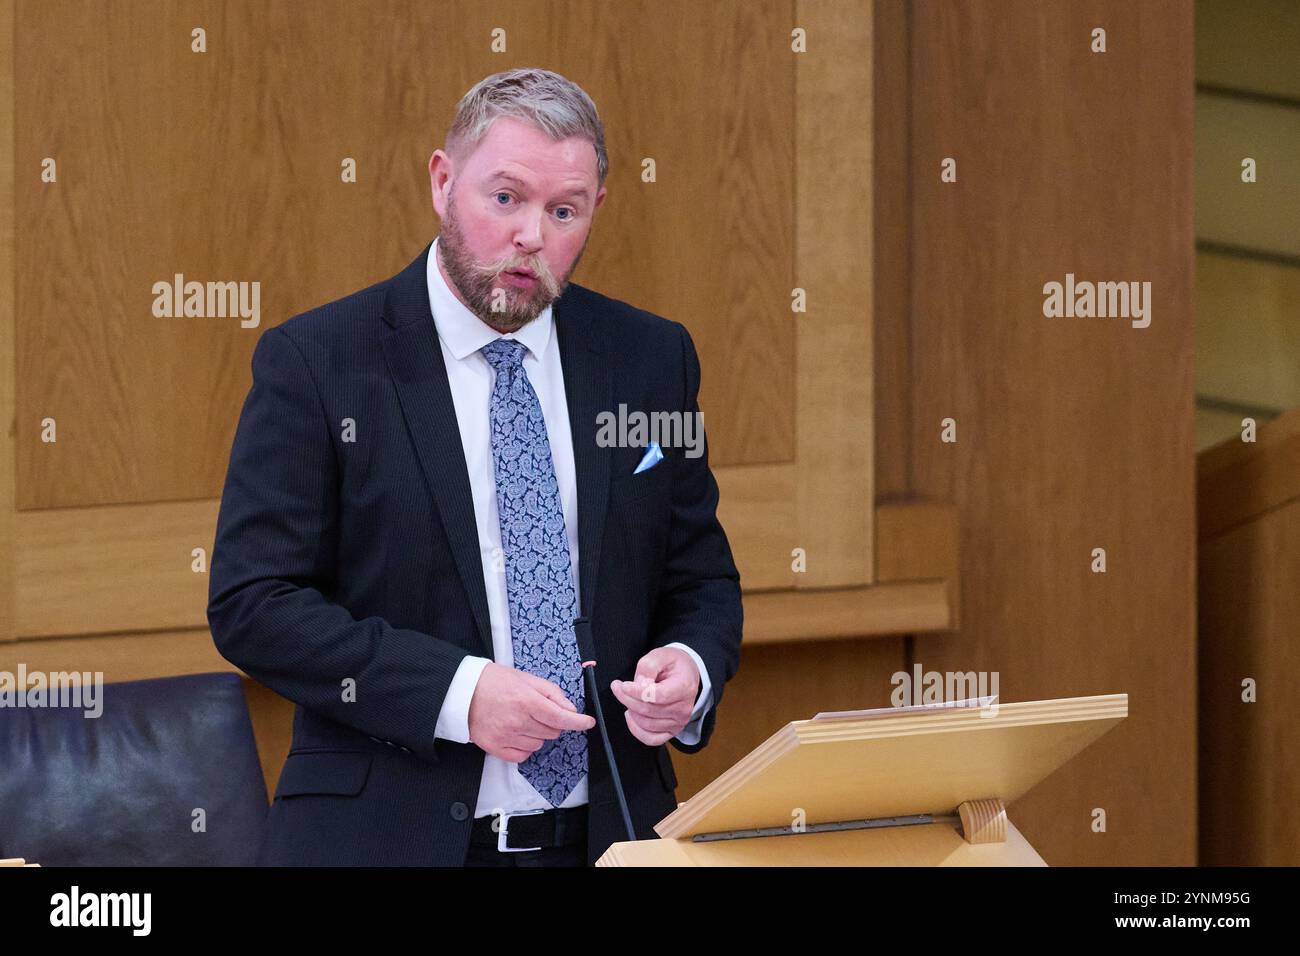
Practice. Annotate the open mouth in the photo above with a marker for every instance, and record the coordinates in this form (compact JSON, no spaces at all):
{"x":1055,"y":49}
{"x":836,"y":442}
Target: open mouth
{"x":523,"y":278}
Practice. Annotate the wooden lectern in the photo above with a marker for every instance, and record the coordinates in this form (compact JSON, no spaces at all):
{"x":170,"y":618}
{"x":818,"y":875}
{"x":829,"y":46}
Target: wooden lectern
{"x":908,"y":786}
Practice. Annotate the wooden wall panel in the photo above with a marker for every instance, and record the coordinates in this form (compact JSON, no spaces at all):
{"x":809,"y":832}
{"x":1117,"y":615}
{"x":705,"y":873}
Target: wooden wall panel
{"x":1253,"y":46}
{"x":1247,"y":333}
{"x":1261,"y":215}
{"x":1248,"y":603}
{"x":1073,"y":434}
{"x":8,"y":386}
{"x":892,"y":218}
{"x":833,"y":247}
{"x":1214,"y":426}
{"x":226,"y":166}
{"x":720,"y":217}
{"x":1238,"y":481}
{"x":222,"y":165}
{"x":106,"y":570}
{"x":145,"y":407}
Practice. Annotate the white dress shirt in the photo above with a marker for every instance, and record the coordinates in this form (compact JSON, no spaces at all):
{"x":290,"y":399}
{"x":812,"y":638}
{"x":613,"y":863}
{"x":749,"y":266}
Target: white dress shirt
{"x":462,"y":334}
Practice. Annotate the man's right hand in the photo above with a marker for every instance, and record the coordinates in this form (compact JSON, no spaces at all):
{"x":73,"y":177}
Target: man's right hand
{"x":512,"y":713}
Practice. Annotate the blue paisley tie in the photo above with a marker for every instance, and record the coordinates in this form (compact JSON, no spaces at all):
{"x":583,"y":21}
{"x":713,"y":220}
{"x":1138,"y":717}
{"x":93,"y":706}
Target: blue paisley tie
{"x":539,"y":578}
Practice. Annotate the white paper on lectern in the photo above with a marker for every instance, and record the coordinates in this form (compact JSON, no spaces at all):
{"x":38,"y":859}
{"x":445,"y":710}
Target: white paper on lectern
{"x":911,"y":709}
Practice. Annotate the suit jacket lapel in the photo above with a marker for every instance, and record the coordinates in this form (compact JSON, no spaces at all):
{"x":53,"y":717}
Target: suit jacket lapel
{"x":587,"y":393}
{"x":419,"y":374}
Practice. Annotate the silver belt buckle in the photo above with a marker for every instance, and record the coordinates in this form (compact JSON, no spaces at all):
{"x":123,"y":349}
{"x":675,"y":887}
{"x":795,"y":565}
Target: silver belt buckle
{"x":501,"y":834}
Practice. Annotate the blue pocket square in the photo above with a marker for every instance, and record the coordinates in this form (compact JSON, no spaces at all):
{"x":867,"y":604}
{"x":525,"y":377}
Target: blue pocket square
{"x":653,"y":455}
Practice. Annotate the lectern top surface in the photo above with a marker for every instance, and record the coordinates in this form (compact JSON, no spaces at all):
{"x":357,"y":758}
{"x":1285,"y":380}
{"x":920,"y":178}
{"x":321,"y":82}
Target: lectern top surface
{"x":866,"y":765}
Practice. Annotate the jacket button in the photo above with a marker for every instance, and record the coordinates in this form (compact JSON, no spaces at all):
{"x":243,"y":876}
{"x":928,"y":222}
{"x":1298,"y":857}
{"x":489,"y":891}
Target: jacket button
{"x":459,"y":811}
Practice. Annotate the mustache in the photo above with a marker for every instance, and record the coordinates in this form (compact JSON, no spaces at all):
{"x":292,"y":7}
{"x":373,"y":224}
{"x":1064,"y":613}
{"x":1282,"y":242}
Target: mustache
{"x":494,"y":267}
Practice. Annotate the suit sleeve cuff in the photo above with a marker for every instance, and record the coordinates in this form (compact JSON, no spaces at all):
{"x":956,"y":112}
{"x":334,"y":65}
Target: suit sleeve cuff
{"x":453,"y":718}
{"x":690,"y":734}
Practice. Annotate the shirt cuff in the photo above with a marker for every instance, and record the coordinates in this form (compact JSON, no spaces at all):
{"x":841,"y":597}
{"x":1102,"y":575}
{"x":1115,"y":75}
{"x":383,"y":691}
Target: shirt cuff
{"x":690,"y":734}
{"x":453,"y":718}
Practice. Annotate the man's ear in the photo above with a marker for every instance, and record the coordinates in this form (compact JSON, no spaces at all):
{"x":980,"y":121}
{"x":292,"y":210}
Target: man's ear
{"x":600,"y":198}
{"x":441,"y":176}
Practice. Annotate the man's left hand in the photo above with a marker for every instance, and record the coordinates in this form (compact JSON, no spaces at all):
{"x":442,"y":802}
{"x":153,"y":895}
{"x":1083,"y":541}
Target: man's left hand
{"x":660,"y":698}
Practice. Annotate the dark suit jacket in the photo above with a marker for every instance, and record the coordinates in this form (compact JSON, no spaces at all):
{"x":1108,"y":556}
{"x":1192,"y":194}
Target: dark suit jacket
{"x":358,"y":561}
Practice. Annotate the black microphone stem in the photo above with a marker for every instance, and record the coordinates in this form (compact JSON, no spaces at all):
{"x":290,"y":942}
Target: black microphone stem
{"x":582,"y":630}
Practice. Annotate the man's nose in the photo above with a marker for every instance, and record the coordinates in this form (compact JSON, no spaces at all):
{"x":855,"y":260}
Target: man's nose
{"x":528,"y":238}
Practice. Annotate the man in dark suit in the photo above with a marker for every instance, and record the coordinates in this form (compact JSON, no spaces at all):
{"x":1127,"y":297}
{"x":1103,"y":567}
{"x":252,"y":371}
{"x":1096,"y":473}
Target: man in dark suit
{"x":421,"y":502}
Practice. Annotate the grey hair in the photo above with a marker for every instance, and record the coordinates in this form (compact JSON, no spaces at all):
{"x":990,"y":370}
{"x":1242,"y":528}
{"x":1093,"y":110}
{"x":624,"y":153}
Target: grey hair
{"x":557,"y":106}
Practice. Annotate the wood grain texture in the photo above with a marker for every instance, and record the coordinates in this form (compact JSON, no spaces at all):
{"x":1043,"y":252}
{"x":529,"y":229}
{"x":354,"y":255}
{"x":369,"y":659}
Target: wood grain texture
{"x":1238,"y":482}
{"x":707,"y":92}
{"x":122,"y":657}
{"x":1249,"y":537}
{"x":917,"y":540}
{"x":82,"y":571}
{"x":1072,"y":434}
{"x":1248,"y":606}
{"x":272,"y":718}
{"x":896,"y":764}
{"x":834,"y":494}
{"x":8,"y":385}
{"x":895,"y":607}
{"x":983,"y":821}
{"x":758,"y":506}
{"x":104,"y":570}
{"x":892,"y":247}
{"x":935,"y":844}
{"x":231,"y":171}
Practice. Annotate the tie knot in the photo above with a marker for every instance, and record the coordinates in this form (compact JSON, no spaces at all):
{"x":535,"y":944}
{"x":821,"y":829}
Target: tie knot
{"x":504,"y":354}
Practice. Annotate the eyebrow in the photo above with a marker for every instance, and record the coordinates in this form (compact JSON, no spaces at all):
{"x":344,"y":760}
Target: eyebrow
{"x":579,"y":191}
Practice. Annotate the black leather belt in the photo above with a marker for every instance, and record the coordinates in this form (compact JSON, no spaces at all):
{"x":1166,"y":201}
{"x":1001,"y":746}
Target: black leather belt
{"x":531,"y":829}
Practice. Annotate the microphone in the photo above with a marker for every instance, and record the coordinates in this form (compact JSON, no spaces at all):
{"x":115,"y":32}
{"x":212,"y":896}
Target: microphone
{"x":587,"y":649}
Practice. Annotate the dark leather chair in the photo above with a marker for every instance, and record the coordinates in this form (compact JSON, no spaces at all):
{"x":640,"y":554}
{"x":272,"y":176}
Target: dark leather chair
{"x":122,"y":789}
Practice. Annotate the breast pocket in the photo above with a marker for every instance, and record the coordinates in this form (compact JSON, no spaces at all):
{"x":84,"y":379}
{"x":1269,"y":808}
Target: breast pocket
{"x":656,"y":481}
{"x":341,"y":773}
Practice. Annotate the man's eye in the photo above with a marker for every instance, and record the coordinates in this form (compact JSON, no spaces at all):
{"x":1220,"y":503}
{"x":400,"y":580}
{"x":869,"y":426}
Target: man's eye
{"x":498,"y":195}
{"x":568,"y":210}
